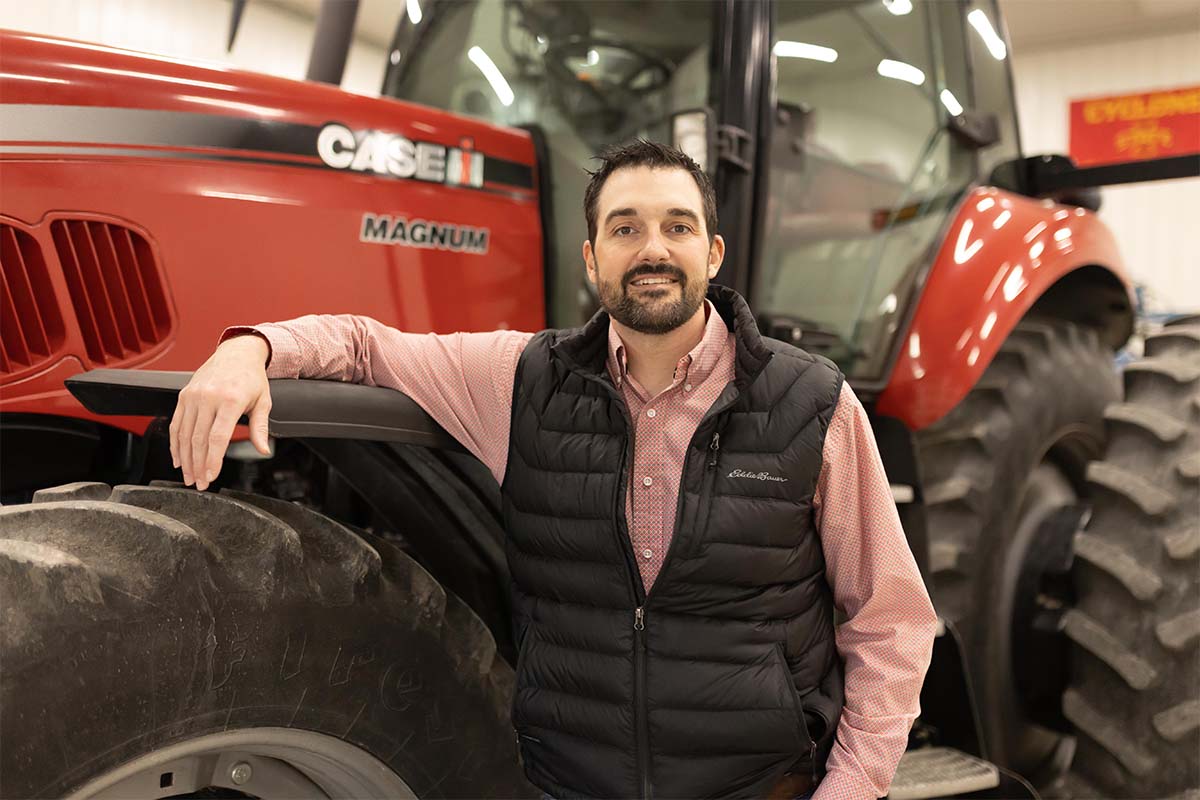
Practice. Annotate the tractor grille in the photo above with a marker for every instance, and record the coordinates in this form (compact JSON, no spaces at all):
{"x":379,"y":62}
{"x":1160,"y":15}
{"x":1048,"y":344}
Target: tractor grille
{"x":31,"y":328}
{"x":115,"y":288}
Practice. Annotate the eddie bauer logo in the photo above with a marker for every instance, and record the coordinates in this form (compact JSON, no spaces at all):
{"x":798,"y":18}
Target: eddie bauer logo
{"x":758,"y":476}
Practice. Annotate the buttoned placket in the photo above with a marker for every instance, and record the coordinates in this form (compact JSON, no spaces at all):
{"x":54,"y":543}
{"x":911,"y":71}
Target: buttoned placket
{"x":646,"y":504}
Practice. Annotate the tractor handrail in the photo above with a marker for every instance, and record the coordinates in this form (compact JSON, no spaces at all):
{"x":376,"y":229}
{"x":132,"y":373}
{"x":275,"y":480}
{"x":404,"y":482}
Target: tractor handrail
{"x":300,"y":408}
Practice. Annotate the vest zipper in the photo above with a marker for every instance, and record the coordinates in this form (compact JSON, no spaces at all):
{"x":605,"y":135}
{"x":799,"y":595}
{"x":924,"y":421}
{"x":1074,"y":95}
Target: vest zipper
{"x":635,"y":573}
{"x":640,"y":712}
{"x":714,"y":448}
{"x":643,"y":725}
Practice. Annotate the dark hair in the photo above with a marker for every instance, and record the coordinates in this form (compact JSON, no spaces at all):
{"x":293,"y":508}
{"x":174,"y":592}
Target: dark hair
{"x":643,"y":153}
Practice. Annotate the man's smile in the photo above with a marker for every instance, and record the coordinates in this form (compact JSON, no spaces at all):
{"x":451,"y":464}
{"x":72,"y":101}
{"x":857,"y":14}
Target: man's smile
{"x":653,"y":281}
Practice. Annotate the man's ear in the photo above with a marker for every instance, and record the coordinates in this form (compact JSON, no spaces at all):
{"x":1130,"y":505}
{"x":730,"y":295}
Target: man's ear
{"x":716,"y":256}
{"x":589,"y":260}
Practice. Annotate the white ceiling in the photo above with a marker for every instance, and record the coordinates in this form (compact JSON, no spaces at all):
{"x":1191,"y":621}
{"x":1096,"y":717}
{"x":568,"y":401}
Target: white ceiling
{"x":1037,"y":24}
{"x":1032,"y":24}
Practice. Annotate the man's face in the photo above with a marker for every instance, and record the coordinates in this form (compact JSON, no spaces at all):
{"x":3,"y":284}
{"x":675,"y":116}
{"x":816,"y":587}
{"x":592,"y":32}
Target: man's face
{"x":652,"y":259}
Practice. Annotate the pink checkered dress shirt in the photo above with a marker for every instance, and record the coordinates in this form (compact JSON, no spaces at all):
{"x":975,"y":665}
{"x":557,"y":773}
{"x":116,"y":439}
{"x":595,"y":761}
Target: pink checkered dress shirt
{"x":465,"y":382}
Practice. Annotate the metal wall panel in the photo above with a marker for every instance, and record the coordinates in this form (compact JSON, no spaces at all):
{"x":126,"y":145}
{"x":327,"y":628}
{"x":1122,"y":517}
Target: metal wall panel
{"x":1154,"y":222}
{"x":269,"y":40}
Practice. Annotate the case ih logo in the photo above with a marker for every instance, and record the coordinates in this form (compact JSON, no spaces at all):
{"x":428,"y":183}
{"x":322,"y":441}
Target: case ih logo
{"x":389,"y":154}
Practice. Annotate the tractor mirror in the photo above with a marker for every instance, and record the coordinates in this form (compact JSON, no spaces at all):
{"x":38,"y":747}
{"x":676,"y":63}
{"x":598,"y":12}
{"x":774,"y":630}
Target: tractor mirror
{"x":978,"y":129}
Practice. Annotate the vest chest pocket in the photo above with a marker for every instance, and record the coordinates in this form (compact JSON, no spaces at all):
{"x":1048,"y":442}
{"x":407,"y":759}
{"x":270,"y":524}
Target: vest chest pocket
{"x":704,"y":503}
{"x":802,"y":734}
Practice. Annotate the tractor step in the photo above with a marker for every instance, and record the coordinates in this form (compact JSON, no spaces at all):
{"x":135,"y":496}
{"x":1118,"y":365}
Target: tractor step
{"x":941,"y":772}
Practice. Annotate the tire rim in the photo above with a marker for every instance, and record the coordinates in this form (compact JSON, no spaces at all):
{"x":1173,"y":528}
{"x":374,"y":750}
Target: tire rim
{"x":1041,"y":750}
{"x":254,"y":762}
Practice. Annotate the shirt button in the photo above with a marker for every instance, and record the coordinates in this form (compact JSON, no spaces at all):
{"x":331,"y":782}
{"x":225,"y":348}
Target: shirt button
{"x":647,"y":553}
{"x":687,"y":387}
{"x":651,"y":413}
{"x":647,"y":481}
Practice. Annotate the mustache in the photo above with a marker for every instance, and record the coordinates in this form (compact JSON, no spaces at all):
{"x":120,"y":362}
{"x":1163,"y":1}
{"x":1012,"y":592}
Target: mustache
{"x":656,"y":271}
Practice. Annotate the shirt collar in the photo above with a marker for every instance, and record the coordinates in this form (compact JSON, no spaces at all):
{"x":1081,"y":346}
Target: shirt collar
{"x":695,"y":366}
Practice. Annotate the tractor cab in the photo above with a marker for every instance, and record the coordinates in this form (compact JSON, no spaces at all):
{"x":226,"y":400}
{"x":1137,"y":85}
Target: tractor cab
{"x":840,"y":136}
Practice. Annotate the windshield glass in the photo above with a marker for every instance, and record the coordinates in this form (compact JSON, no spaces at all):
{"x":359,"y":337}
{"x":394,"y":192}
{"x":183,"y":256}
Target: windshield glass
{"x":863,"y":168}
{"x":588,"y":74}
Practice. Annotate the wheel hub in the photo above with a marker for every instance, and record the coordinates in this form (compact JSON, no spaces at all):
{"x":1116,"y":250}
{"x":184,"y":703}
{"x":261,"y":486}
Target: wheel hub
{"x":254,"y":762}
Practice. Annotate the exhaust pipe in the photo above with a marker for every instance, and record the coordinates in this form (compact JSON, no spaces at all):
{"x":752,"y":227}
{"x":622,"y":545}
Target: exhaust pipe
{"x":331,"y":45}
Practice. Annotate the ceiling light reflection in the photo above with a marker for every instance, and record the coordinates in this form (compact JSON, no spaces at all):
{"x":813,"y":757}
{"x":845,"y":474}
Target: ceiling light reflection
{"x":252,"y":198}
{"x":995,"y":284}
{"x":900,"y":71}
{"x":12,"y":76}
{"x":1015,"y":283}
{"x":150,"y":76}
{"x":490,"y":71}
{"x":815,"y":52}
{"x":414,"y":11}
{"x":983,"y":26}
{"x":985,"y":330}
{"x":951,"y":102}
{"x":964,"y":250}
{"x":232,"y":105}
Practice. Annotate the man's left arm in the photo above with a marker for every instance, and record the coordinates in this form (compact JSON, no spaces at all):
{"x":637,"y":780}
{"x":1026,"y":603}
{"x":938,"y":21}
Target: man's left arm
{"x":887,"y":639}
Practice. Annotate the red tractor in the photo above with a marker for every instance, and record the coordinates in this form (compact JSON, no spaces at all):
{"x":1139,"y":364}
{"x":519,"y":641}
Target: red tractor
{"x":334,"y":620}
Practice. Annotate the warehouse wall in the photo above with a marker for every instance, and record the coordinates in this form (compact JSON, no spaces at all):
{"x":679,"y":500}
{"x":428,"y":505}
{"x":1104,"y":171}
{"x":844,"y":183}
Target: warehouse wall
{"x":1154,"y":222}
{"x":269,"y":40}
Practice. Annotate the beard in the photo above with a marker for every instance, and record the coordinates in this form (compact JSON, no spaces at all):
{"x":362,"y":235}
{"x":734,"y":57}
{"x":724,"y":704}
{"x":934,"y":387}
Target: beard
{"x":648,"y":310}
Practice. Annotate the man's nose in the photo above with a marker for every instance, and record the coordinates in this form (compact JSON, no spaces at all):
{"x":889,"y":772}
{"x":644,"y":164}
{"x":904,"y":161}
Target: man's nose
{"x":654,"y":248}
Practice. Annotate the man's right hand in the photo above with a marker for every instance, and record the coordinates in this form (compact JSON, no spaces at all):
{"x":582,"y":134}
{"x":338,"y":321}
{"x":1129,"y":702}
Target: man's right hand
{"x":232,"y":382}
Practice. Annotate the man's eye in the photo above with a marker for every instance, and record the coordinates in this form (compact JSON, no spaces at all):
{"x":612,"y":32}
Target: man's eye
{"x":680,"y":228}
{"x":624,"y":230}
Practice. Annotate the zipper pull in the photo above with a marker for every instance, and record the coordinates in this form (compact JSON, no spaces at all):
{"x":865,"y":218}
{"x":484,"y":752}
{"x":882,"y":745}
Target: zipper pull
{"x":812,"y":755}
{"x":639,"y":619}
{"x":714,"y":447}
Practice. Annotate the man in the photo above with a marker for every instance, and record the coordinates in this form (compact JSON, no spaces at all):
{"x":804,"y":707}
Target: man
{"x":685,"y":503}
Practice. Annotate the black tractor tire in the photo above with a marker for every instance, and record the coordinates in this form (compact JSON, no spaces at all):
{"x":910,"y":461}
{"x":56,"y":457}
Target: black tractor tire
{"x":137,"y":618}
{"x":1135,"y":689}
{"x":1010,"y":454}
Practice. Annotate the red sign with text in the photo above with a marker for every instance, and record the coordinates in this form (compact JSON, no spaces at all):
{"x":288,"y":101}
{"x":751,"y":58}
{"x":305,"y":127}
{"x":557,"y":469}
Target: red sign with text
{"x":1135,"y":127}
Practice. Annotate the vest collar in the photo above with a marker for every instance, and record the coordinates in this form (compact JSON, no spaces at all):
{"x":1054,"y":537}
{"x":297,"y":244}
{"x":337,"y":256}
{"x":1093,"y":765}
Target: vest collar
{"x":586,"y":349}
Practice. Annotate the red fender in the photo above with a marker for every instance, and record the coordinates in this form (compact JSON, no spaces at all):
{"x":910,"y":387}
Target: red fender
{"x":1000,"y":254}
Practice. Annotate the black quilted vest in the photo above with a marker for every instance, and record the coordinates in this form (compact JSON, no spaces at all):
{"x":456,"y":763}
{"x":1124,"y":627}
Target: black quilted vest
{"x":725,"y":674}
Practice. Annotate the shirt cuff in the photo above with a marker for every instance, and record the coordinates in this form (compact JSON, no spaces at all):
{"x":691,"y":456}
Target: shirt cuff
{"x":283,"y":354}
{"x":839,"y":784}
